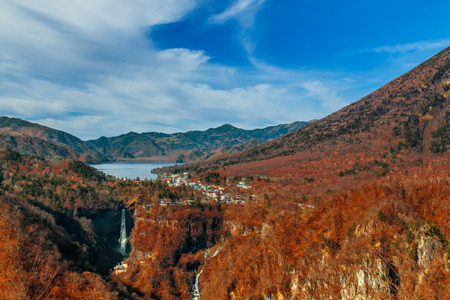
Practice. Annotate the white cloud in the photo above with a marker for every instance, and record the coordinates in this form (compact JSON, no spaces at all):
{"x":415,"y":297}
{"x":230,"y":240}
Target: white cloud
{"x":146,"y":102}
{"x":236,"y":10}
{"x":80,"y":38}
{"x":244,"y":12}
{"x":408,"y":47}
{"x":328,"y":98}
{"x":399,"y":59}
{"x":86,"y":67}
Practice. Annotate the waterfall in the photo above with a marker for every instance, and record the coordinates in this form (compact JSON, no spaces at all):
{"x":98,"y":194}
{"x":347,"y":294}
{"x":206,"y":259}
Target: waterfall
{"x":123,"y":234}
{"x":196,"y":290}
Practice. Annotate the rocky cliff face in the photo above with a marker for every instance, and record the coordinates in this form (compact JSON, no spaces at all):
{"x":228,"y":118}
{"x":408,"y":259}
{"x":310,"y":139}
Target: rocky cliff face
{"x":105,"y":225}
{"x":168,"y":244}
{"x":368,"y":243}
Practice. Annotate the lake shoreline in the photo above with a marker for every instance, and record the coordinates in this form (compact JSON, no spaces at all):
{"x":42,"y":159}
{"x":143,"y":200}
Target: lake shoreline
{"x":141,"y":160}
{"x":131,"y":169}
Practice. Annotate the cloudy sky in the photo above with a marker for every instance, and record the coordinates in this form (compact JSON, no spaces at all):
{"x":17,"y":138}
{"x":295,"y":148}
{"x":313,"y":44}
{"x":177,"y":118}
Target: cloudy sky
{"x":107,"y":67}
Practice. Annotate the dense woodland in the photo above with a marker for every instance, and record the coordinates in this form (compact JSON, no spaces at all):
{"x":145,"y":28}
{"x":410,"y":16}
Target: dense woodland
{"x":383,"y":239}
{"x":50,"y":247}
{"x":353,"y":206}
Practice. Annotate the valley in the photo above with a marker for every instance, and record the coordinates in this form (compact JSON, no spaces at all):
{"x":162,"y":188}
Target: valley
{"x":153,"y":147}
{"x":352,"y":206}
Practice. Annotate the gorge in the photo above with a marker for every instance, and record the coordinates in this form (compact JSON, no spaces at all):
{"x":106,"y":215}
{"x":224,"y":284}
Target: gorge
{"x":352,"y":206}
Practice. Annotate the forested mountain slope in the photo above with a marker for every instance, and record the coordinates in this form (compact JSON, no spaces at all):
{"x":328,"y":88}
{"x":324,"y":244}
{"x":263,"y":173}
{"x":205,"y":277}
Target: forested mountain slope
{"x":34,"y":139}
{"x":353,"y":206}
{"x":407,"y":118}
{"x":188,"y":146}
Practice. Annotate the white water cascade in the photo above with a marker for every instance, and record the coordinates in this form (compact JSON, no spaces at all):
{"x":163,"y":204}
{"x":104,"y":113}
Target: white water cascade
{"x":196,"y":290}
{"x":123,"y":234}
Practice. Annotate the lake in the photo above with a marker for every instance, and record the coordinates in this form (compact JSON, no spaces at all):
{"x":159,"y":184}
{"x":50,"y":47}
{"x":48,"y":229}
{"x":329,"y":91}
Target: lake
{"x":131,"y":170}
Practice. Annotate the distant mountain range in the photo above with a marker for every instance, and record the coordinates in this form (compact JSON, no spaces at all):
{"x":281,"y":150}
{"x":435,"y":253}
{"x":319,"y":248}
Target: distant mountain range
{"x":188,"y":146}
{"x":34,"y":139}
{"x":352,"y":206}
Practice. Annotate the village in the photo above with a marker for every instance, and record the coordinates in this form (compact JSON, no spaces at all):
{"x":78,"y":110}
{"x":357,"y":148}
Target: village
{"x":212,"y":192}
{"x":241,"y":193}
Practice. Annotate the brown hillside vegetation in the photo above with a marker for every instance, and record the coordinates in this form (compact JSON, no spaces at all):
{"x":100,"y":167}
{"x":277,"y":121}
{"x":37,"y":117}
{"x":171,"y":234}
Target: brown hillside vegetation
{"x":408,"y":119}
{"x":371,"y":241}
{"x":383,"y":240}
{"x":353,"y":206}
{"x":56,"y":220}
{"x":31,"y":263}
{"x":45,"y":252}
{"x":57,"y":227}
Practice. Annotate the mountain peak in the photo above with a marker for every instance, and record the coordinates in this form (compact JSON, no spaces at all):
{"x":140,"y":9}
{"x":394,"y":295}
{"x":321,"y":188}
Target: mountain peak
{"x":191,"y":145}
{"x":401,"y":119}
{"x":228,"y":126}
{"x":225,"y":128}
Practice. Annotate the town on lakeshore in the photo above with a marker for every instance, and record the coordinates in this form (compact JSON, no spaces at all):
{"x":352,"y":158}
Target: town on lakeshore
{"x":233,"y":194}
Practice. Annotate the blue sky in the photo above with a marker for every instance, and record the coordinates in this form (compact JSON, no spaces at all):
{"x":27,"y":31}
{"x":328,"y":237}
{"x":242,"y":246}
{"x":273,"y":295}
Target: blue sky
{"x":107,"y":67}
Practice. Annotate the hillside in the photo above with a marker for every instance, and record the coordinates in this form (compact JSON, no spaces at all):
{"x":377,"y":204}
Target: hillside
{"x":407,"y":118}
{"x":353,"y":206}
{"x":60,"y":219}
{"x":188,"y":146}
{"x":34,"y":139}
{"x":53,"y":246}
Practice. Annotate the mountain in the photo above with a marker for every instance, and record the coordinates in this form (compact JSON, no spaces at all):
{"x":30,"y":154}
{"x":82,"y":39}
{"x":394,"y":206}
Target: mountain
{"x":188,"y":146}
{"x":353,"y":206}
{"x":407,"y":119}
{"x":34,"y":139}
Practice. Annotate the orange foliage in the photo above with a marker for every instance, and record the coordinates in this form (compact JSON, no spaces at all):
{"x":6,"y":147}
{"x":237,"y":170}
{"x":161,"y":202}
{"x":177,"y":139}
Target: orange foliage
{"x":163,"y":262}
{"x":290,"y":250}
{"x":31,"y":265}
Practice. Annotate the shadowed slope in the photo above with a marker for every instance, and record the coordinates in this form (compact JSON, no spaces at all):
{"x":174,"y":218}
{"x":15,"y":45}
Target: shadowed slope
{"x":34,"y":139}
